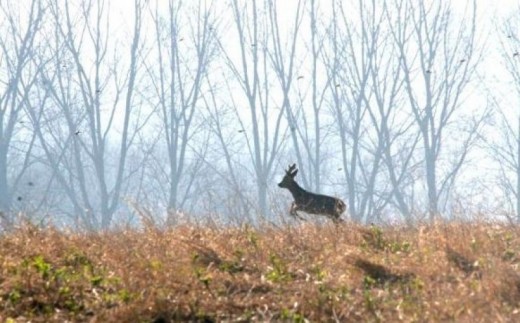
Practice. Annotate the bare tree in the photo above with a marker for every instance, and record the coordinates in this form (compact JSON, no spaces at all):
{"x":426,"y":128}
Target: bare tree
{"x":185,"y":48}
{"x":395,"y":140}
{"x":94,"y":95}
{"x":438,"y":60}
{"x":234,"y":198}
{"x":262,"y":121}
{"x":349,"y":62}
{"x":283,"y":53}
{"x":297,"y":64}
{"x":19,"y":76}
{"x":504,"y":143}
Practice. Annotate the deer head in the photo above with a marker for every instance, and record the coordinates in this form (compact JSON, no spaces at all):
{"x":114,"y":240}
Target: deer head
{"x":288,"y":179}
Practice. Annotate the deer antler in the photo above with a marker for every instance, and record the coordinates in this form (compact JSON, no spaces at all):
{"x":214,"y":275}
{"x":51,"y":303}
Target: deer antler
{"x":291,"y":169}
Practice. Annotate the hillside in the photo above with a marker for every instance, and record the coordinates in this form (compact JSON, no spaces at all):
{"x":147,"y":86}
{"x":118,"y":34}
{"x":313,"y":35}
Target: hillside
{"x":444,"y":272}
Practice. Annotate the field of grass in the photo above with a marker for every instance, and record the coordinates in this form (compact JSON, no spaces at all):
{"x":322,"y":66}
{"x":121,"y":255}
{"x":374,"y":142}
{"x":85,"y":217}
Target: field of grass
{"x":442,"y":272}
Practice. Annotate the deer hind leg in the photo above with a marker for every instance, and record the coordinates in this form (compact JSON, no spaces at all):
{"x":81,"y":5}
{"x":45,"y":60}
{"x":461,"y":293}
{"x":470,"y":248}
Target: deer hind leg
{"x":293,"y":211}
{"x":339,"y":209}
{"x":336,"y":219}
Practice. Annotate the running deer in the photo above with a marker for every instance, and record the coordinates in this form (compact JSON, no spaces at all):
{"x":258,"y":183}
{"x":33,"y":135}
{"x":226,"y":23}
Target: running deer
{"x":308,"y":202}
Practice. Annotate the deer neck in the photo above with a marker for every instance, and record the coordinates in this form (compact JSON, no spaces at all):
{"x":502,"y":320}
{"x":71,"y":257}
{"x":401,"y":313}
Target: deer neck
{"x":296,"y":191}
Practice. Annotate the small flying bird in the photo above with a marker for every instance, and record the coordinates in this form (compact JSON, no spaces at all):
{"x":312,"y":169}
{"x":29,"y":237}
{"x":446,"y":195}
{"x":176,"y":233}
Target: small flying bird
{"x":300,"y":77}
{"x":463,"y":60}
{"x":77,"y":132}
{"x":241,"y":130}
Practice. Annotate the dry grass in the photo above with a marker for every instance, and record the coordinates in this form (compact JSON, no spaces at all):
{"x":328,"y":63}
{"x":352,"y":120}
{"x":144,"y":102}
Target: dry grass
{"x":445,"y":272}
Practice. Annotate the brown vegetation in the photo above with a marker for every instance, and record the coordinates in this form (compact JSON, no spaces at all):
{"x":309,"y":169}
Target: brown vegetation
{"x":448,"y":272}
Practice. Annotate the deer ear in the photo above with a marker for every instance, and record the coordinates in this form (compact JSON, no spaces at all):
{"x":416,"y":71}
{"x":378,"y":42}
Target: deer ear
{"x":293,"y":174}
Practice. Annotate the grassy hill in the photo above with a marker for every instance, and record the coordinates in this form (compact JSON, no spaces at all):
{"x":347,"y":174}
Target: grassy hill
{"x":443,"y":272}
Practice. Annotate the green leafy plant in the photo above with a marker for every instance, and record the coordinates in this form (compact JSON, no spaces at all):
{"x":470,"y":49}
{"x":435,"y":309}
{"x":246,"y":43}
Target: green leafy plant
{"x":291,"y":315}
{"x":41,"y":266}
{"x":278,"y":271}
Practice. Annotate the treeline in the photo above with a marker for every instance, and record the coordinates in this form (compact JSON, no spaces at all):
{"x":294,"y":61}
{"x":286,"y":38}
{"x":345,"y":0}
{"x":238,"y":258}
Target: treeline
{"x":197,"y":107}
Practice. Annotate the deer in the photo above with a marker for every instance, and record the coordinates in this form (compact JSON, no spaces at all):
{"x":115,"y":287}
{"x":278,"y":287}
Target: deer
{"x":331,"y":207}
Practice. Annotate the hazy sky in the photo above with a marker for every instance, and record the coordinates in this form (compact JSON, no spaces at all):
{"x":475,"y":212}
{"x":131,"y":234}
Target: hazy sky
{"x":487,"y":8}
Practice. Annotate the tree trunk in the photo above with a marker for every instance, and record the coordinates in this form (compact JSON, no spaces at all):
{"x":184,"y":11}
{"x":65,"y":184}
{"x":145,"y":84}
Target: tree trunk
{"x":5,"y":200}
{"x":433,"y":197}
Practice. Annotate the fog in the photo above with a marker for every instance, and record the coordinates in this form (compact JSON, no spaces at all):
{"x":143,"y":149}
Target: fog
{"x":115,"y":113}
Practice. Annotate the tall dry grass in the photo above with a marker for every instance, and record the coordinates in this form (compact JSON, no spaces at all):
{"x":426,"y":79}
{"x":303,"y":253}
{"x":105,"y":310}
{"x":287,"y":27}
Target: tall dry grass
{"x":441,"y":272}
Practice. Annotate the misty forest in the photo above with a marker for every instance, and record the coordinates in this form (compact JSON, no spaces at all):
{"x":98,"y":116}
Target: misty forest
{"x":168,"y":111}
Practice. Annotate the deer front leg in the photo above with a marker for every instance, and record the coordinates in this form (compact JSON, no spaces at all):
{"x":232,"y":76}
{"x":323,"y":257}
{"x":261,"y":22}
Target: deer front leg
{"x":293,"y":211}
{"x":336,"y":219}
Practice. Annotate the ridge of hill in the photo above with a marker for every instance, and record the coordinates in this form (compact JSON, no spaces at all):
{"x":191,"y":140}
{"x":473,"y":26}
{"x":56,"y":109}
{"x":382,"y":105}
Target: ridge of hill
{"x":438,"y":272}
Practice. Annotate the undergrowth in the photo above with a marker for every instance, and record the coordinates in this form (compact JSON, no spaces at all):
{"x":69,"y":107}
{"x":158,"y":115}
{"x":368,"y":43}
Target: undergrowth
{"x":442,"y":272}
